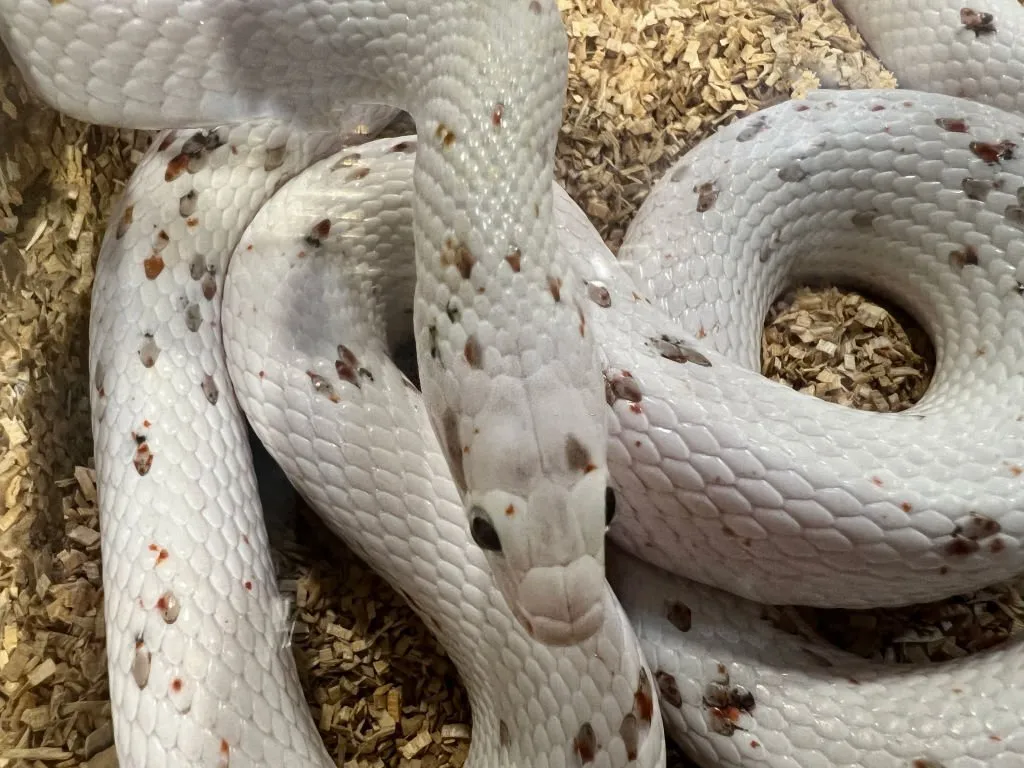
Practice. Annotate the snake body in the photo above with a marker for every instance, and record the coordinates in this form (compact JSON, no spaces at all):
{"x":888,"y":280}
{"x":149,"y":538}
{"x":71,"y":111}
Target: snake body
{"x":721,"y":476}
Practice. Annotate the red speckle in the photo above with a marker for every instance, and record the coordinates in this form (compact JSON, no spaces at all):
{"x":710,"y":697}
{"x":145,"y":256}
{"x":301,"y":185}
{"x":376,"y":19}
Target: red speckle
{"x":877,"y":481}
{"x":146,"y":423}
{"x":161,"y":553}
{"x":245,"y":538}
{"x":161,"y":602}
{"x":263,"y":374}
{"x":248,"y":247}
{"x":176,"y":685}
{"x":635,"y":408}
{"x":248,"y":585}
{"x":755,"y":743}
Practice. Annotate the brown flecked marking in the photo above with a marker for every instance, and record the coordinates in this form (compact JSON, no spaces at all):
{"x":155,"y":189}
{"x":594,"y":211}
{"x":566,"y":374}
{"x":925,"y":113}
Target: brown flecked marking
{"x":680,"y":616}
{"x":127,"y":216}
{"x":504,"y":737}
{"x":496,"y":113}
{"x":210,"y":390}
{"x":706,"y":196}
{"x":555,"y":288}
{"x":455,"y":254}
{"x":802,"y":107}
{"x":877,"y":481}
{"x":992,"y":153}
{"x":177,"y":684}
{"x":193,"y":317}
{"x":318,"y":233}
{"x":153,"y":266}
{"x":404,"y":146}
{"x":629,"y":730}
{"x":577,"y":456}
{"x":161,"y":553}
{"x":143,"y":459}
{"x":358,"y":173}
{"x":643,"y":697}
{"x":583,"y":321}
{"x":192,"y":222}
{"x":953,"y":124}
{"x":960,"y":546}
{"x":474,"y":352}
{"x":905,"y":506}
{"x":322,"y":386}
{"x":141,"y":663}
{"x":669,"y":688}
{"x":678,"y":352}
{"x":878,"y":108}
{"x":515,"y":259}
{"x":187,"y":203}
{"x":924,"y":762}
{"x":348,"y":368}
{"x":223,"y":754}
{"x":978,"y":189}
{"x":176,"y":166}
{"x":585,"y":744}
{"x":963,"y":257}
{"x":450,"y":433}
{"x":248,"y":585}
{"x":209,"y":286}
{"x":168,"y":607}
{"x":1015,"y":469}
{"x":535,"y":7}
{"x":977,"y":526}
{"x":621,"y":386}
{"x":432,"y":335}
{"x":599,"y":294}
{"x":274,"y":158}
{"x":445,"y":134}
{"x":978,"y":22}
{"x":510,"y":510}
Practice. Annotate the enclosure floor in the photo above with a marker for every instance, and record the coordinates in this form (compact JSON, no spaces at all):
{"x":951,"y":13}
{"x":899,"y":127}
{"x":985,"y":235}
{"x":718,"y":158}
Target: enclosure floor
{"x":644,"y":86}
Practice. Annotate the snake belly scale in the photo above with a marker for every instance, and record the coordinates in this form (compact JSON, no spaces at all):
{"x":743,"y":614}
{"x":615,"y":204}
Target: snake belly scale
{"x":719,"y":475}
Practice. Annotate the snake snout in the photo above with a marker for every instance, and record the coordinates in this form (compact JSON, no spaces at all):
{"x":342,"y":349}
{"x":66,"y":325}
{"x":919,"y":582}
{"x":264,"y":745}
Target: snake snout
{"x":563,"y":604}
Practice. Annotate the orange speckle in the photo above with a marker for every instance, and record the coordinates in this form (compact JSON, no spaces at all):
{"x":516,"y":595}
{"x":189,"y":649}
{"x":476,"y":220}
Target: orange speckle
{"x":1016,"y":470}
{"x":146,"y":423}
{"x":905,"y":506}
{"x":176,"y":685}
{"x":510,"y":510}
{"x":192,"y":221}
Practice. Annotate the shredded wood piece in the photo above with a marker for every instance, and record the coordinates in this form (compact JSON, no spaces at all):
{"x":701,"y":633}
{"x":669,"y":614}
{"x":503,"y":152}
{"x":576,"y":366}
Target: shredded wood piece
{"x":647,"y":81}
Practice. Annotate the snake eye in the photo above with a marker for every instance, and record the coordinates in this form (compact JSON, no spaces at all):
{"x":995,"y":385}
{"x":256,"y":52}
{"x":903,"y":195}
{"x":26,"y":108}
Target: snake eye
{"x":609,"y":506}
{"x":483,"y":532}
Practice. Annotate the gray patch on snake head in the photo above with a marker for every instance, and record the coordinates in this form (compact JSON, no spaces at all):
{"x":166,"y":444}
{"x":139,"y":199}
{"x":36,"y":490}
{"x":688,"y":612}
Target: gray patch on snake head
{"x":669,"y":688}
{"x":678,"y":352}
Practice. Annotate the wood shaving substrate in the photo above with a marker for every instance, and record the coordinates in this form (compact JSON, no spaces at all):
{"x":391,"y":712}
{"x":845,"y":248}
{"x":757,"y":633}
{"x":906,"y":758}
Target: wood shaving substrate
{"x":646,"y":83}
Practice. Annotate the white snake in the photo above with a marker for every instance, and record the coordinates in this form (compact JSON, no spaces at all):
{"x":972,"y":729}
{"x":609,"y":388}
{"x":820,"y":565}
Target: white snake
{"x":720,"y":475}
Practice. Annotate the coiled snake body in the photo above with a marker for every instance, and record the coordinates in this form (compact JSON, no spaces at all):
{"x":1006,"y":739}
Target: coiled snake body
{"x":534,"y":344}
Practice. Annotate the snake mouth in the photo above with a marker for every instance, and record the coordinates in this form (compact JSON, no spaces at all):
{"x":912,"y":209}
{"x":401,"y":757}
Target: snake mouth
{"x":563,"y":605}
